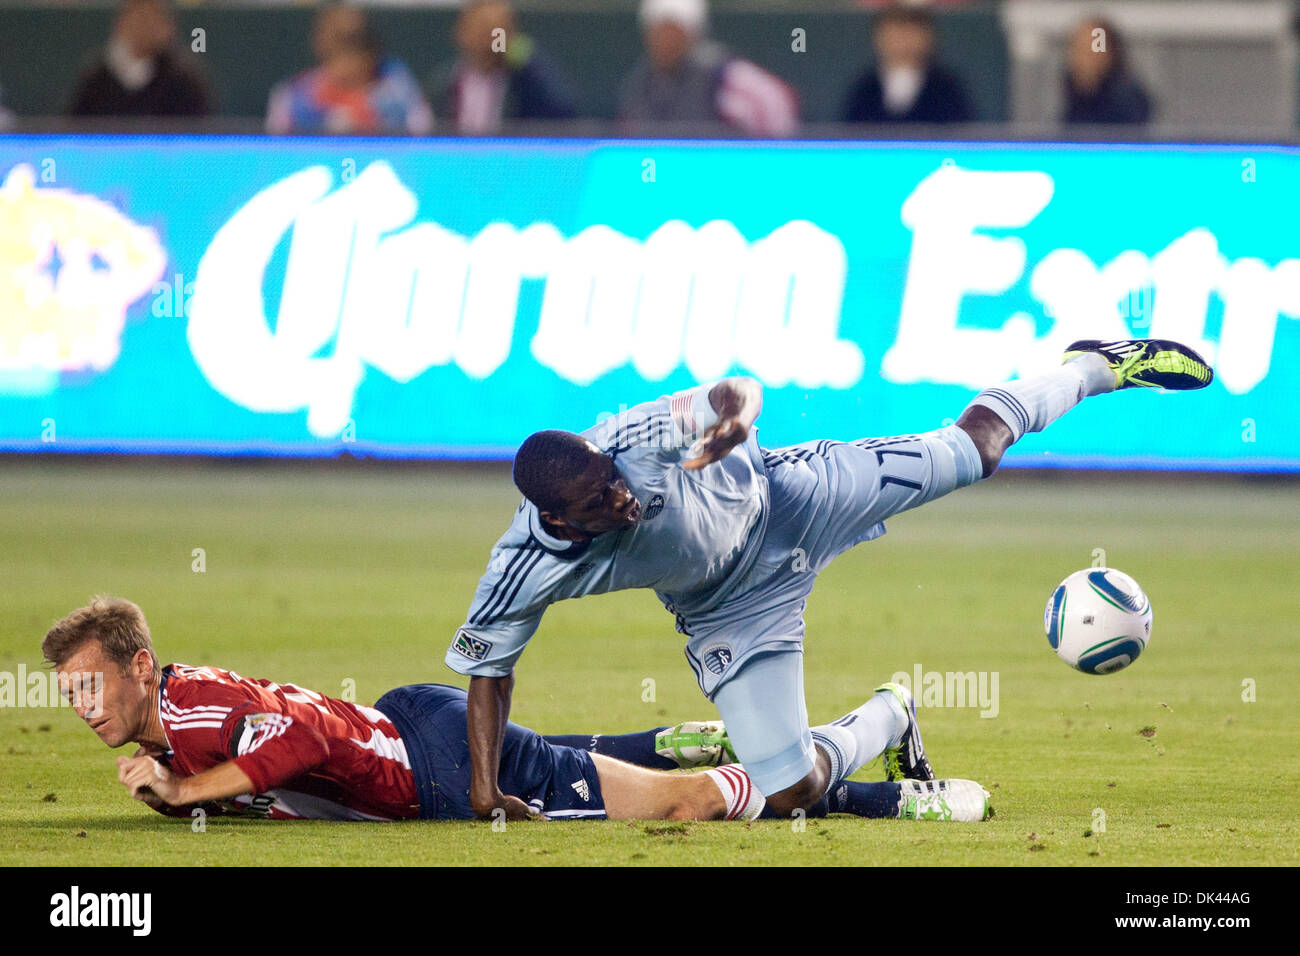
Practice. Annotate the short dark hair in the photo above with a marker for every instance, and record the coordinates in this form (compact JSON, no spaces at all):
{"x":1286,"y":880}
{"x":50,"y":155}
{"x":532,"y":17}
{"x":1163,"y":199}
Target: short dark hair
{"x":546,"y":461}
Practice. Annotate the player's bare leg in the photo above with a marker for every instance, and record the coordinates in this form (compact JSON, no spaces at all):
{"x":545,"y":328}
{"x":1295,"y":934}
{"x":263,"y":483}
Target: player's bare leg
{"x":634,"y":793}
{"x":804,"y":794}
{"x":988,"y":433}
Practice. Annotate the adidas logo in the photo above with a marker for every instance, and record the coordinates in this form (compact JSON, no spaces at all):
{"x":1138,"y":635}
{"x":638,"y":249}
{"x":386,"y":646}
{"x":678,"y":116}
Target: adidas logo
{"x":583,"y":790}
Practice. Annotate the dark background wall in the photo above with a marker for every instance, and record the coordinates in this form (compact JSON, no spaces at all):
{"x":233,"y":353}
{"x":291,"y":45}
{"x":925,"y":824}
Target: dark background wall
{"x":42,"y":50}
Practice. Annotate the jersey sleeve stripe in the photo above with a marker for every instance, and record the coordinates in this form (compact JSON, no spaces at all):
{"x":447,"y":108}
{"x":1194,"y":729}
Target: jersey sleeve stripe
{"x":270,"y":727}
{"x":629,"y":435}
{"x":195,"y":711}
{"x":526,"y":569}
{"x":475,"y":618}
{"x":517,"y":570}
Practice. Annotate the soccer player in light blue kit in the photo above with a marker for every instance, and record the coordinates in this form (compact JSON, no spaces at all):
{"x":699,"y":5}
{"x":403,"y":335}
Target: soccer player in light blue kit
{"x":677,"y":495}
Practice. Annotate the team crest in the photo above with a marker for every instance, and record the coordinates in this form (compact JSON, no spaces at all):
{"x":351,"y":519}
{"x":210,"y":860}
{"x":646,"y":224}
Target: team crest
{"x":717,"y":659}
{"x":655,"y":506}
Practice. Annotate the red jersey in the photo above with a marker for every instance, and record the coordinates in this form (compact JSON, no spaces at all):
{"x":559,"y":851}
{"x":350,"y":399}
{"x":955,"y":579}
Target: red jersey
{"x":308,"y":756}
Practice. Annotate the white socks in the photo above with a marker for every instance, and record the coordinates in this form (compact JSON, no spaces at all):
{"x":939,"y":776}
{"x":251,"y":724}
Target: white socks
{"x":743,"y":800}
{"x":1031,"y":404}
{"x":851,"y":742}
{"x":861,"y":735}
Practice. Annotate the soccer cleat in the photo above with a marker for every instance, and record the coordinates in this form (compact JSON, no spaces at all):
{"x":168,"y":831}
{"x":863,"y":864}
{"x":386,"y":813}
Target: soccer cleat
{"x":907,"y":761}
{"x":696,"y":743}
{"x":964,"y":801}
{"x":1148,"y":363}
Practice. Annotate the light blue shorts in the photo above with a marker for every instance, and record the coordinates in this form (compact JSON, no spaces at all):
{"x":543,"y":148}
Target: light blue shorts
{"x":826,"y":497}
{"x":763,"y":708}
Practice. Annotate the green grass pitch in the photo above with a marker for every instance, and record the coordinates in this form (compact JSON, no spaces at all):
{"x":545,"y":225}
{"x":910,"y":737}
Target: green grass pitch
{"x":357,"y":576}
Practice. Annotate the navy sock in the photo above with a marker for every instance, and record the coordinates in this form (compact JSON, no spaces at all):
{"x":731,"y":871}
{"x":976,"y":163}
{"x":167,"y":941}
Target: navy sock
{"x":637,"y":748}
{"x":876,"y":800}
{"x":816,"y":811}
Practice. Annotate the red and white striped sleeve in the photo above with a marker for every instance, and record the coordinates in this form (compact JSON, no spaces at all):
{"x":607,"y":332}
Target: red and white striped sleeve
{"x":209,"y":722}
{"x":272,"y":748}
{"x":193,"y":715}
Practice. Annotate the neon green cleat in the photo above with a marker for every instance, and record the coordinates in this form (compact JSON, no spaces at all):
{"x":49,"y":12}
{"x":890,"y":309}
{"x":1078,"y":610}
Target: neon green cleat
{"x":1148,"y":363}
{"x":907,"y":761}
{"x":696,"y":743}
{"x":963,"y":801}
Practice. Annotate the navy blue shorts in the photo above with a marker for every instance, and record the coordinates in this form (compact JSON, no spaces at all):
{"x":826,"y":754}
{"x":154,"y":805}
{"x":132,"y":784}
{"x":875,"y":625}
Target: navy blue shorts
{"x":559,"y":782}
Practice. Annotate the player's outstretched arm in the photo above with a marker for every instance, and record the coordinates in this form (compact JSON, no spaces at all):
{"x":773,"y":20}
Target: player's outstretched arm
{"x":737,"y":402}
{"x":488,"y":709}
{"x":145,"y":777}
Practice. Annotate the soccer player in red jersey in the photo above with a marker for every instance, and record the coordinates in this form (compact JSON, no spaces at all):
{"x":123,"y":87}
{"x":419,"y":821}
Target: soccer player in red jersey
{"x":209,"y":737}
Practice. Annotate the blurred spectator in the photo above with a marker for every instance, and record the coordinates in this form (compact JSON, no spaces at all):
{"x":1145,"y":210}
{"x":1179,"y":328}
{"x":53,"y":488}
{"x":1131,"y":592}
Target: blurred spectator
{"x":140,"y":71}
{"x":913,"y":3}
{"x":905,"y":85}
{"x":1098,"y":85}
{"x":354,"y":88}
{"x":686,"y":77}
{"x":7,"y":118}
{"x":498,"y":76}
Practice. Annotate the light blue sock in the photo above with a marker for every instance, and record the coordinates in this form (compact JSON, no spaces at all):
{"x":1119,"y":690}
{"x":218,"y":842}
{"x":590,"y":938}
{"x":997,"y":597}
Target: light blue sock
{"x":1031,"y":404}
{"x":861,"y":735}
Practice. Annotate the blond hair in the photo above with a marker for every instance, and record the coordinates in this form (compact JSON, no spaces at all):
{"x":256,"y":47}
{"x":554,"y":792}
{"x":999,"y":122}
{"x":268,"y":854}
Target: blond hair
{"x":118,"y":625}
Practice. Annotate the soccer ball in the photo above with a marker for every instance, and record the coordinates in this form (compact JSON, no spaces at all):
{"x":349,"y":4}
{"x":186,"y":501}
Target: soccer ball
{"x":1098,"y":620}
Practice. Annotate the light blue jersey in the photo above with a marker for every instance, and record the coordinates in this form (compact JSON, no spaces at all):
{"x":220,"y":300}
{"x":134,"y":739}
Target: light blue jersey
{"x":732,"y":549}
{"x":698,"y":535}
